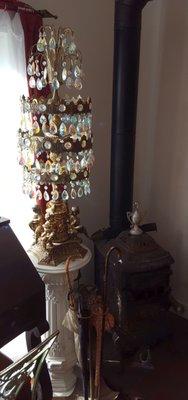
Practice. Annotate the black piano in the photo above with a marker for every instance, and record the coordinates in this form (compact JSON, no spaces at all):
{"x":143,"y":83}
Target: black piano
{"x":22,"y":298}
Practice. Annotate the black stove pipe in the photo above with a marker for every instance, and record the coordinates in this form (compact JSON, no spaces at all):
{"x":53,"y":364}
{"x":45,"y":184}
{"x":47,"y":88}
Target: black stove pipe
{"x":127,"y":31}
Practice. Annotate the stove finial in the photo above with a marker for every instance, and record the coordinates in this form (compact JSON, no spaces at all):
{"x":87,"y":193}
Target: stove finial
{"x":135,"y":218}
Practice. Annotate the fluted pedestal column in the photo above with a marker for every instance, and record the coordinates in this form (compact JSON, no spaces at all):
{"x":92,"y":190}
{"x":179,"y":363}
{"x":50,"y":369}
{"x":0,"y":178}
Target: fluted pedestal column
{"x":62,"y":357}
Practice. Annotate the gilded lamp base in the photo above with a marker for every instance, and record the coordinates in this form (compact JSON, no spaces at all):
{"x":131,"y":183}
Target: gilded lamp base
{"x":56,"y":234}
{"x":59,"y":253}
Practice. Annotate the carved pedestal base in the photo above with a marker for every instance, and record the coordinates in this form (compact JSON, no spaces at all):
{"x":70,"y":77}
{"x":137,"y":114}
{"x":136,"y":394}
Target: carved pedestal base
{"x":62,"y":357}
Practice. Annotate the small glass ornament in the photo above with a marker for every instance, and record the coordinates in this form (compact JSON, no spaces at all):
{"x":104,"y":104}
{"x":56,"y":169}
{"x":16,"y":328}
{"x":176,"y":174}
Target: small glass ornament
{"x":73,"y":194}
{"x":52,"y":42}
{"x":32,"y":82}
{"x":55,"y":195}
{"x":46,"y":196}
{"x":62,"y":129}
{"x":64,"y":74}
{"x":65,"y":195}
{"x":39,"y":84}
{"x":80,"y":192}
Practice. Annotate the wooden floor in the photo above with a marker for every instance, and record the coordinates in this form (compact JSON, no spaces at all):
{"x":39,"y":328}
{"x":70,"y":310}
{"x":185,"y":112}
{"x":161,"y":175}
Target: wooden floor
{"x":168,"y":380}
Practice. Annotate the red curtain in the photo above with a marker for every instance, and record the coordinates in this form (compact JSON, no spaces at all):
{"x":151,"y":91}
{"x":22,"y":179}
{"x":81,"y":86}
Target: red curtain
{"x":31,"y":24}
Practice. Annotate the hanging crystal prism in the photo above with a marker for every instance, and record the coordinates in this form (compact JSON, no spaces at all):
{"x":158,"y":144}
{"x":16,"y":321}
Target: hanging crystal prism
{"x":32,"y":82}
{"x":46,"y":196}
{"x":39,"y":84}
{"x":65,"y":195}
{"x":73,"y":194}
{"x":62,"y":129}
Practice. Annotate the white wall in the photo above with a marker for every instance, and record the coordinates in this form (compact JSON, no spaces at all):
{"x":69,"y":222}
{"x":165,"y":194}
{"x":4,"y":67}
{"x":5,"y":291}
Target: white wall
{"x":162,"y":140}
{"x":161,"y":163}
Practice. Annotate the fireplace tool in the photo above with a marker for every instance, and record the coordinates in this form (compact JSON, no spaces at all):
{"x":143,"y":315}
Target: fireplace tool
{"x":102,"y":320}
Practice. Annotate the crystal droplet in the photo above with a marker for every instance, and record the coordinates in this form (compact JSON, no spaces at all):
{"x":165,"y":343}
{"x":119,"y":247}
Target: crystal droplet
{"x":72,"y":48}
{"x":52,"y":43}
{"x":64,"y":74}
{"x":36,"y":128}
{"x":70,"y":165}
{"x":53,"y":128}
{"x":55,"y":84}
{"x":42,"y":119}
{"x":40,"y":44}
{"x":62,"y":129}
{"x":77,"y":167}
{"x":39,"y":195}
{"x":65,"y":195}
{"x":69,"y":82}
{"x":80,"y":192}
{"x":39,"y":84}
{"x":46,"y":196}
{"x":83,"y":163}
{"x":48,"y":166}
{"x":44,"y":82}
{"x":74,"y":119}
{"x":72,"y":130}
{"x":29,"y":70}
{"x":77,"y":71}
{"x":32,"y":82}
{"x":73,"y":194}
{"x":45,"y":73}
{"x":55,"y":195}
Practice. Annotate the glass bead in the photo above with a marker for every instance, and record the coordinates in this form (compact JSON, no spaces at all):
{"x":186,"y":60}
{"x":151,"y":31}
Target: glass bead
{"x":62,"y":107}
{"x":80,"y":107}
{"x":73,"y":176}
{"x":83,"y":144}
{"x":68,"y":145}
{"x":54,"y":177}
{"x":78,"y":84}
{"x":47,"y":145}
{"x":42,"y":107}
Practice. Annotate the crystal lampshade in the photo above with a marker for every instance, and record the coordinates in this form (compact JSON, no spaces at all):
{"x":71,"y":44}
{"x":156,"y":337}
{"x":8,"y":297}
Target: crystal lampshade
{"x":55,"y":138}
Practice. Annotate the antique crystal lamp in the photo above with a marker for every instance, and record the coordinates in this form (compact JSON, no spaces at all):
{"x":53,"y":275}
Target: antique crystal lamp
{"x":55,"y":144}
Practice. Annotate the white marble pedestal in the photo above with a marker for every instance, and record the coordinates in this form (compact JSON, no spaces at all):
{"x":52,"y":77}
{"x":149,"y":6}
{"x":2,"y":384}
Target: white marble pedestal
{"x":62,"y":357}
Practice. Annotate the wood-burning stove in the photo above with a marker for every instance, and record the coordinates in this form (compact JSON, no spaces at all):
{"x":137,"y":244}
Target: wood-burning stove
{"x":139,"y":293}
{"x":140,"y":289}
